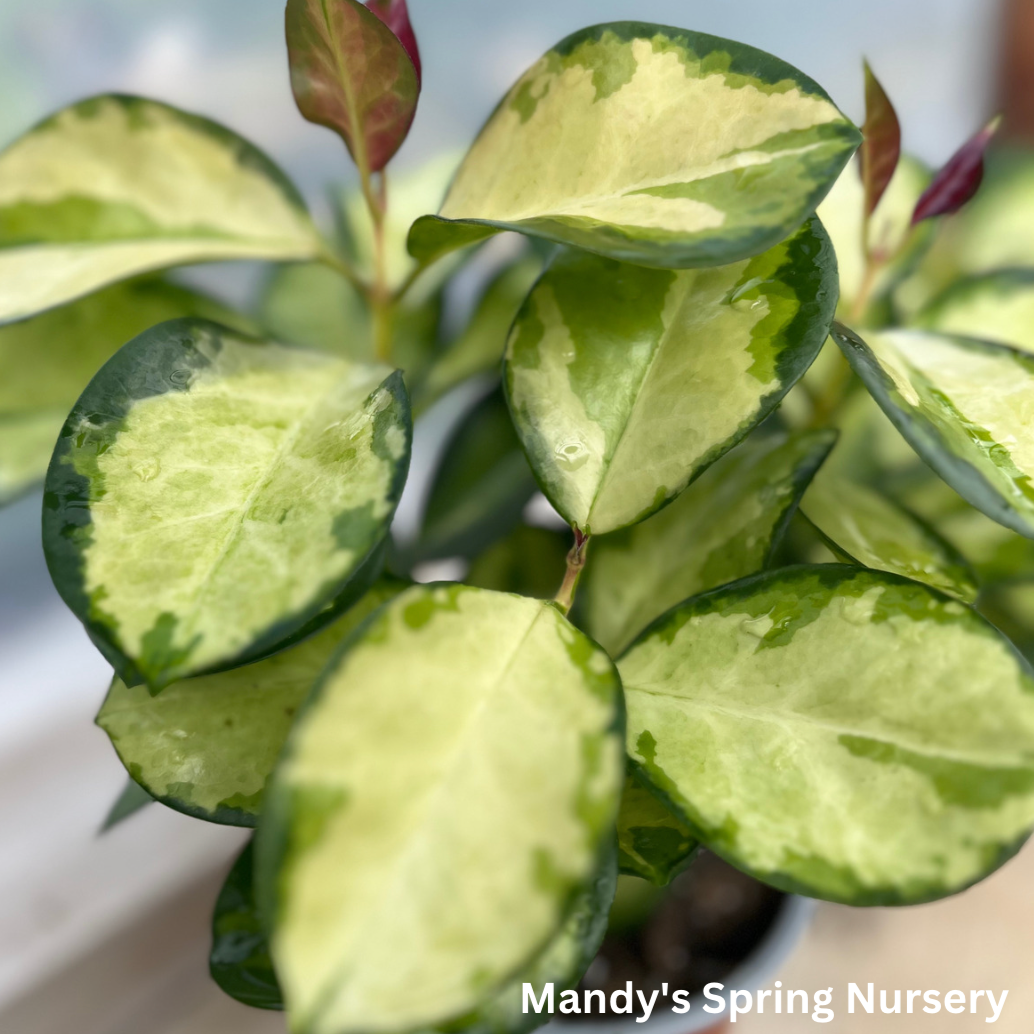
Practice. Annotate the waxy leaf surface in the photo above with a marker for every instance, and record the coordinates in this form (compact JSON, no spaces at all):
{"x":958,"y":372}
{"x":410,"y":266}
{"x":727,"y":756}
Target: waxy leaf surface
{"x":652,"y":145}
{"x":562,"y":962}
{"x":836,"y":731}
{"x":653,"y":842}
{"x":993,"y":307}
{"x":239,"y":961}
{"x":862,"y":526}
{"x":116,"y":186}
{"x":352,"y":74}
{"x":722,"y":528}
{"x":432,"y":820}
{"x":206,"y":746}
{"x":210,"y":495}
{"x":625,"y":383}
{"x":967,"y":408}
{"x":47,"y":361}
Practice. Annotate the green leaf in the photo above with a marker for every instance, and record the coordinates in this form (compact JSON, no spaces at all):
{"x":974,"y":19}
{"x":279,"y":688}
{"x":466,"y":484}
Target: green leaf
{"x":843,"y":215}
{"x":210,"y":495}
{"x":626,"y":383}
{"x":312,"y":305}
{"x":653,"y":842}
{"x":862,"y":526}
{"x":351,"y":73}
{"x":481,"y":486}
{"x":45,"y":363}
{"x":964,"y":405}
{"x":206,"y":746}
{"x":993,"y":307}
{"x":479,"y":348}
{"x":651,"y":145}
{"x":724,"y":527}
{"x":562,"y":962}
{"x":452,"y":784}
{"x":116,"y":186}
{"x":132,"y":799}
{"x":839,"y":732}
{"x":239,"y":961}
{"x":528,"y":562}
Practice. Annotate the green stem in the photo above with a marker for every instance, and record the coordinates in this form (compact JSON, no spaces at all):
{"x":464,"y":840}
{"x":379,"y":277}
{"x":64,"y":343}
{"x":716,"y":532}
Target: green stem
{"x":382,"y":300}
{"x":575,"y":566}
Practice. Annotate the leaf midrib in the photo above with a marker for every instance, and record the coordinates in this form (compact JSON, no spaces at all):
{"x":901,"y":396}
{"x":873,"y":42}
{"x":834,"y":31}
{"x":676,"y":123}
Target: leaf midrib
{"x":789,"y":719}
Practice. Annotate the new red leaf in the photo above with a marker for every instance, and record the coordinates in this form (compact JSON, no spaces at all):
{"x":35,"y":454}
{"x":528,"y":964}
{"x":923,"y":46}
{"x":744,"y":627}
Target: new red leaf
{"x":351,"y":73}
{"x":881,"y":146}
{"x":959,"y":180}
{"x":395,"y":14}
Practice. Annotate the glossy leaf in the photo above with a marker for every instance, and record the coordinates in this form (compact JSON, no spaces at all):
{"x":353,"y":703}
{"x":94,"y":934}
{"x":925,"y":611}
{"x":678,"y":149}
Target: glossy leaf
{"x":133,"y":798}
{"x":652,"y":145}
{"x":206,"y":746}
{"x":561,"y":963}
{"x":116,"y":186}
{"x":862,"y":526}
{"x":626,"y":383}
{"x":239,"y":961}
{"x":843,"y":733}
{"x":528,"y":562}
{"x":959,"y":180}
{"x":653,"y":842}
{"x":967,"y":408}
{"x":352,"y":74}
{"x":994,"y":307}
{"x":479,"y":348}
{"x":881,"y":142}
{"x":430,"y":821}
{"x":45,"y":363}
{"x":843,"y":215}
{"x":724,"y":527}
{"x":210,"y":495}
{"x":481,"y":486}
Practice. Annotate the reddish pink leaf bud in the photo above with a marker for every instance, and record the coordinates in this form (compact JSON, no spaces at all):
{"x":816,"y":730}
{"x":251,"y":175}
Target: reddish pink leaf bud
{"x":881,"y":147}
{"x":959,"y":180}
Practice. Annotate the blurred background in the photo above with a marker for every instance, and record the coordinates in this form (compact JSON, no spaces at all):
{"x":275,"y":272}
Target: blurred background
{"x":107,"y":935}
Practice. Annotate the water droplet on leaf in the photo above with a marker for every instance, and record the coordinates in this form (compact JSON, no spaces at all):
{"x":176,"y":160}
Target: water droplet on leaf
{"x":572,"y":454}
{"x":149,"y":469}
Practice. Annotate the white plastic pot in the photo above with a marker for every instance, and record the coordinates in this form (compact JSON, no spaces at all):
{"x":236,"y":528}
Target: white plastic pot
{"x":787,"y":929}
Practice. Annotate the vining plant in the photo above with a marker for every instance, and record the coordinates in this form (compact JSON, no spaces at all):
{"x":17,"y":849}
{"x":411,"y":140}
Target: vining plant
{"x":781,"y":395}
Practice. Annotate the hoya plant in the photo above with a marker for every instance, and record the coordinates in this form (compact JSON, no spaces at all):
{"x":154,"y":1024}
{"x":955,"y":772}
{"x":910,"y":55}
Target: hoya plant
{"x":791,"y":450}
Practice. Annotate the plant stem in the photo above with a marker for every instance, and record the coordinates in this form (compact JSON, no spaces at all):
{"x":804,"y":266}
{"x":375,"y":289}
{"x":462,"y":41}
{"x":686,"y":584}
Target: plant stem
{"x":382,"y":301}
{"x":575,"y":565}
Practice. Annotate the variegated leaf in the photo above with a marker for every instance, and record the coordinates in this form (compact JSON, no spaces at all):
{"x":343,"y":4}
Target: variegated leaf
{"x":651,"y":145}
{"x":206,"y":746}
{"x":967,"y":408}
{"x":465,"y":732}
{"x":843,"y":215}
{"x":116,"y":186}
{"x":625,"y":383}
{"x":993,"y":307}
{"x":841,"y":732}
{"x":724,"y":527}
{"x":210,"y":495}
{"x":862,"y":526}
{"x":562,"y":962}
{"x":45,"y":363}
{"x":352,"y":74}
{"x":653,"y":842}
{"x":239,"y":961}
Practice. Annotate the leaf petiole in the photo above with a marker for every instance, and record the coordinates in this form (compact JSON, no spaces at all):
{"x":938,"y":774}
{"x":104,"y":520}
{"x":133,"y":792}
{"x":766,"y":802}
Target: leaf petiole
{"x":575,"y":565}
